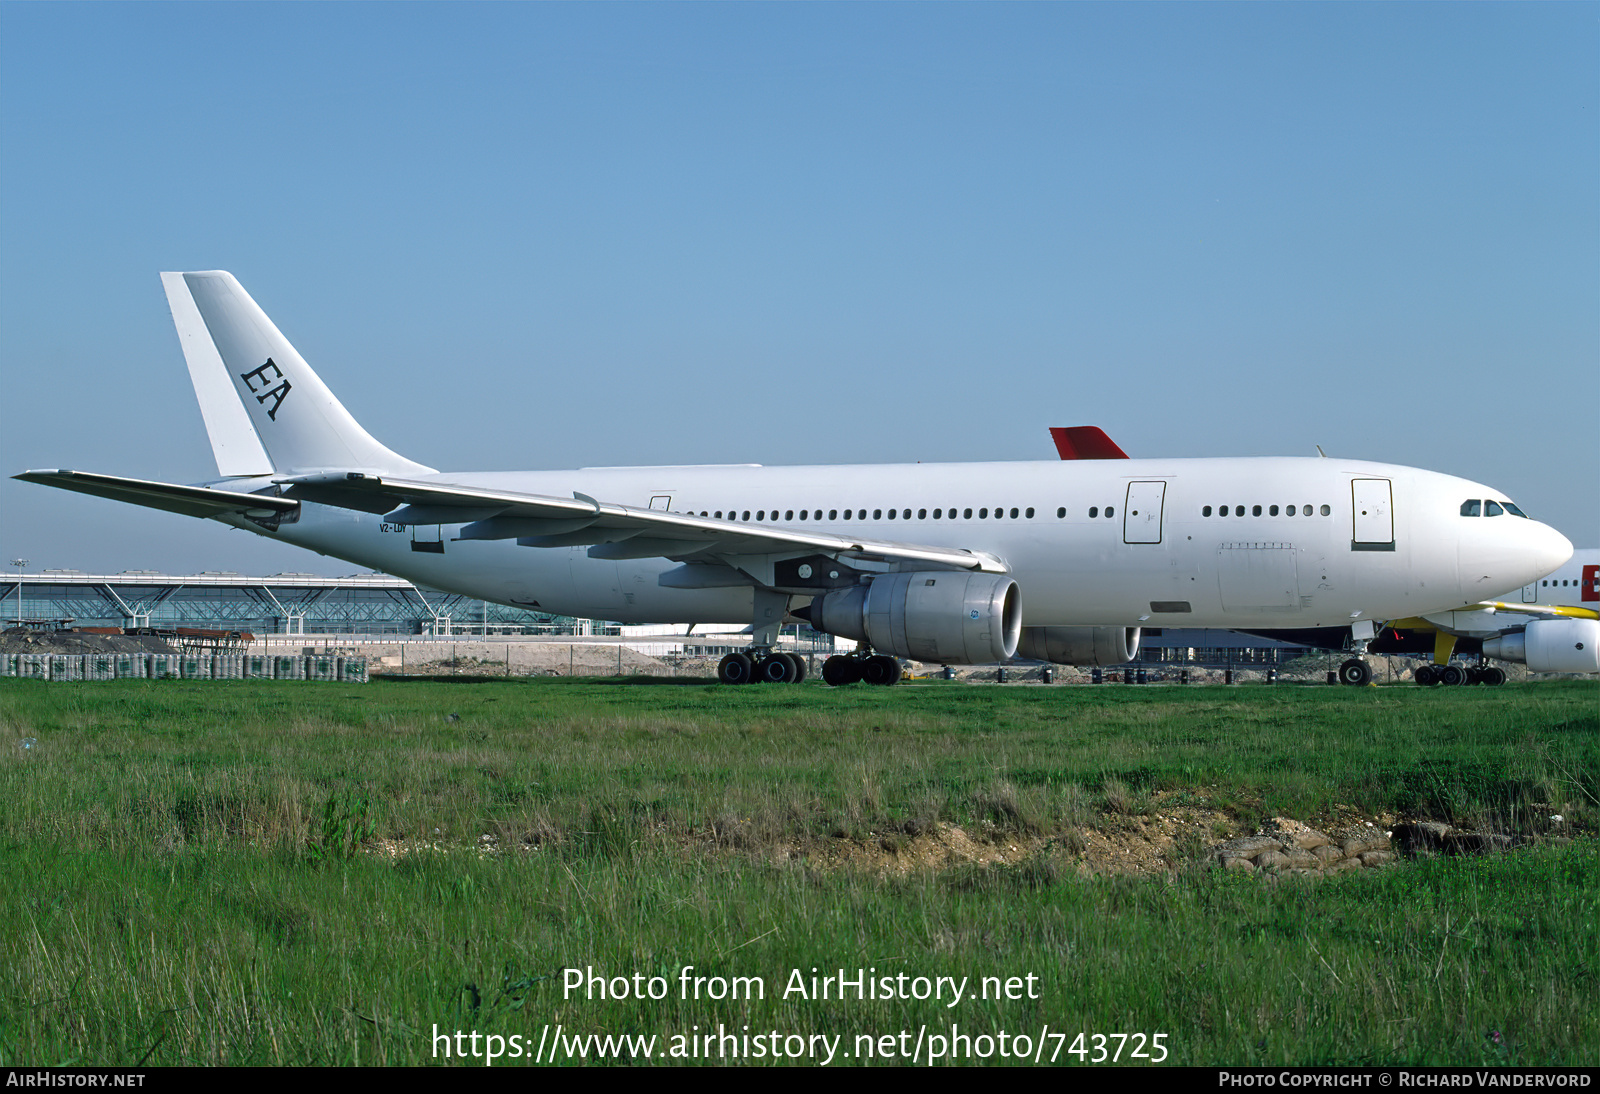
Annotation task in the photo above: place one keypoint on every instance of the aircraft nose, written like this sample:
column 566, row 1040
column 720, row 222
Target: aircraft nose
column 1499, row 554
column 1551, row 549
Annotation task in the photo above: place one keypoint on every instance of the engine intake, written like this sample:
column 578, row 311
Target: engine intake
column 1080, row 645
column 946, row 616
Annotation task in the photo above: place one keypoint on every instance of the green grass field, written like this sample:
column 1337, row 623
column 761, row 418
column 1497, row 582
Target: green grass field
column 322, row 873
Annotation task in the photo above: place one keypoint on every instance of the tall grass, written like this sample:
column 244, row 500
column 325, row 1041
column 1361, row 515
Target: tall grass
column 192, row 872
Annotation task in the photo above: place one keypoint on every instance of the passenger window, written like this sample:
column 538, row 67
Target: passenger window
column 891, row 514
column 922, row 514
column 833, row 514
column 803, row 513
column 966, row 514
column 1013, row 512
column 1273, row 511
column 762, row 515
column 1471, row 508
column 1291, row 510
column 1029, row 513
column 938, row 513
column 1238, row 510
column 1327, row 511
column 877, row 514
column 1255, row 511
column 1206, row 512
column 1111, row 511
column 788, row 514
column 1492, row 509
column 1061, row 513
column 1094, row 510
column 983, row 514
column 719, row 514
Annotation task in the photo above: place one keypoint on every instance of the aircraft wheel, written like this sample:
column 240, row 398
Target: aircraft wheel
column 837, row 671
column 1452, row 676
column 1426, row 676
column 881, row 670
column 799, row 664
column 1494, row 676
column 736, row 668
column 1355, row 672
column 775, row 668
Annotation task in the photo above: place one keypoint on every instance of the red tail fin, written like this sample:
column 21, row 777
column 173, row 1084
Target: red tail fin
column 1085, row 442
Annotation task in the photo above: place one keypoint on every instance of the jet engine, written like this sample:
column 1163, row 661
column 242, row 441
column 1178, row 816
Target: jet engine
column 1551, row 645
column 947, row 616
column 1080, row 645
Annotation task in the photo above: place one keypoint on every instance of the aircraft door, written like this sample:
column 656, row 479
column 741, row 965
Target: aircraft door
column 1141, row 516
column 1373, row 515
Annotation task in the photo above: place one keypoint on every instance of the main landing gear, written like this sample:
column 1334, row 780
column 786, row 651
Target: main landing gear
column 879, row 669
column 761, row 666
column 1453, row 676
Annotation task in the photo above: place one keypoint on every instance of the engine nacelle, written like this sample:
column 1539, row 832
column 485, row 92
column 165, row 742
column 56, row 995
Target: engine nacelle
column 947, row 616
column 1551, row 645
column 1080, row 645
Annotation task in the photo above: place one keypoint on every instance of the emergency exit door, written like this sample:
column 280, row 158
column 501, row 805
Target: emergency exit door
column 1372, row 514
column 1141, row 516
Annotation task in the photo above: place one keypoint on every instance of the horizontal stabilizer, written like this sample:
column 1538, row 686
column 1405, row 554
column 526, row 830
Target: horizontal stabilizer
column 191, row 501
column 1085, row 442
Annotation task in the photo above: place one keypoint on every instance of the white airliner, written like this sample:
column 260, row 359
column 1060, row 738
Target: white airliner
column 945, row 563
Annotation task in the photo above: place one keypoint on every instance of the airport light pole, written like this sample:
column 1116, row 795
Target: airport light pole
column 21, row 564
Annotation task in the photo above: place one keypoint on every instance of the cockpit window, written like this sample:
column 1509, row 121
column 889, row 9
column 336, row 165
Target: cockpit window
column 1492, row 509
column 1471, row 508
column 1514, row 511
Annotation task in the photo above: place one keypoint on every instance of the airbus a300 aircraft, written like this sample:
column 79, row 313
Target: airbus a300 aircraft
column 946, row 563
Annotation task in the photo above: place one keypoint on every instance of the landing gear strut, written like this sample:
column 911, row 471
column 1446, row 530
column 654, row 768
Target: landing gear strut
column 762, row 664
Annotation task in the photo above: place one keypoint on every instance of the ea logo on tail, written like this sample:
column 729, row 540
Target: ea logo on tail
column 276, row 394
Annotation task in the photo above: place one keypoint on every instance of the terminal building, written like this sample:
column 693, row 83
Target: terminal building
column 288, row 604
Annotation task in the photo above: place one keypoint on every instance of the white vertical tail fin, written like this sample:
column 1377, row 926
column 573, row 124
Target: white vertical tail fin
column 282, row 417
column 233, row 439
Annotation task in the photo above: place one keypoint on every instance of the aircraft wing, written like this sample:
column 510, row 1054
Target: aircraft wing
column 1538, row 609
column 191, row 501
column 610, row 530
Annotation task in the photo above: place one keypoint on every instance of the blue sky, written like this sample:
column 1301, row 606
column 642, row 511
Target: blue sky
column 519, row 236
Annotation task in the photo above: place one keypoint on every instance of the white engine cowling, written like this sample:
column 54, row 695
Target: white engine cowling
column 1551, row 645
column 946, row 616
column 1080, row 645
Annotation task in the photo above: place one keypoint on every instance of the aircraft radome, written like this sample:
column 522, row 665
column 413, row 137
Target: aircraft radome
column 945, row 563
